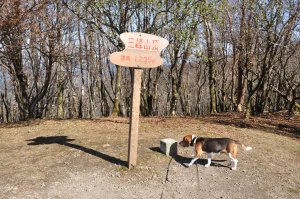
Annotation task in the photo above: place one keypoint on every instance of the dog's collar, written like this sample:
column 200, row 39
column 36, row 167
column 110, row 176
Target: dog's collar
column 194, row 139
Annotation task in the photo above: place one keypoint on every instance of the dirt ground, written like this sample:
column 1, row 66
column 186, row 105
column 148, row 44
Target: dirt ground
column 87, row 159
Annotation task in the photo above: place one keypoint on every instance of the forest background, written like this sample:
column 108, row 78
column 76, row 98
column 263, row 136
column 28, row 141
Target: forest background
column 223, row 56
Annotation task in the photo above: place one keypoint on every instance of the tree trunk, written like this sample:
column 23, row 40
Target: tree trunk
column 80, row 105
column 91, row 79
column 5, row 114
column 116, row 108
column 154, row 110
column 241, row 81
column 211, row 66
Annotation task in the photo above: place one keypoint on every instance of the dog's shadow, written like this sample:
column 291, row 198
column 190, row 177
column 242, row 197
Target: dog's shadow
column 184, row 161
column 65, row 141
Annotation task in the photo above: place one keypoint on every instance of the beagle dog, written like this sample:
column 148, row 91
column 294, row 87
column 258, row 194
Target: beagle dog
column 212, row 146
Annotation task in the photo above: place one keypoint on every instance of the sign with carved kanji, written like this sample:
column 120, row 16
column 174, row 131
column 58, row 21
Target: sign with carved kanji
column 141, row 50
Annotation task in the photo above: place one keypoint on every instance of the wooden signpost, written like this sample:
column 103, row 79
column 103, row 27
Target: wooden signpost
column 141, row 51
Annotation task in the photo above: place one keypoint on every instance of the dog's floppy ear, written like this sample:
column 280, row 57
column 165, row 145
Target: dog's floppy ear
column 188, row 138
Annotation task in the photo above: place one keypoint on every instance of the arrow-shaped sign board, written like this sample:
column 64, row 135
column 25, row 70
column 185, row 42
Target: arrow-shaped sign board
column 141, row 50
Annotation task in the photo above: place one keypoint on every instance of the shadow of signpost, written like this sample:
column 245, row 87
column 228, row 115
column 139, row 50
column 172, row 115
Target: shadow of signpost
column 65, row 141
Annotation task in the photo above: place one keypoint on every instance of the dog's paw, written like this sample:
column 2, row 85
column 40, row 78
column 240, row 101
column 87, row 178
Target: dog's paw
column 189, row 165
column 233, row 168
column 207, row 165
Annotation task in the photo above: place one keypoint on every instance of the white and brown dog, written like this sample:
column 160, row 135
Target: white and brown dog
column 212, row 146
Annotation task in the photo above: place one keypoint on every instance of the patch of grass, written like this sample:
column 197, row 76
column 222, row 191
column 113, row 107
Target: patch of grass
column 122, row 169
column 294, row 190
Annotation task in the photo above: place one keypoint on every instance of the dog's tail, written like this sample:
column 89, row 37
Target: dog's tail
column 246, row 148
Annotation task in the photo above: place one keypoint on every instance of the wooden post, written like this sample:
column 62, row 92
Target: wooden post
column 134, row 118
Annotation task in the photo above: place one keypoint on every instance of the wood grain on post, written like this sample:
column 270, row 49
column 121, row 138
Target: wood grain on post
column 134, row 118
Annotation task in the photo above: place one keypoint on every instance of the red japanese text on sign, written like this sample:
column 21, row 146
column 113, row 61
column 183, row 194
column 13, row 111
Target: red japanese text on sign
column 138, row 59
column 140, row 43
